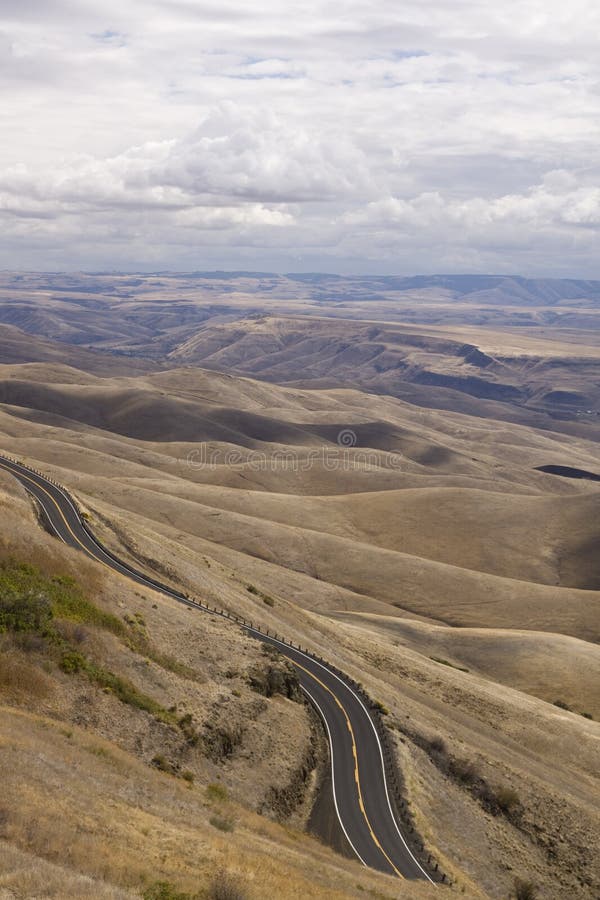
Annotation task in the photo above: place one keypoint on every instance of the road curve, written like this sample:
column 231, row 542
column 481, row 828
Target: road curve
column 361, row 792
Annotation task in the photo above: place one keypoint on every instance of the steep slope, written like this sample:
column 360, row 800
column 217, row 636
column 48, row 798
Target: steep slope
column 139, row 730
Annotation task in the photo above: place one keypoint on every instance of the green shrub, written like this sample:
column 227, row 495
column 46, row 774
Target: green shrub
column 252, row 589
column 33, row 605
column 161, row 763
column 69, row 603
column 24, row 613
column 72, row 662
column 164, row 890
column 166, row 661
column 30, row 600
column 223, row 823
column 562, row 705
column 127, row 693
column 216, row 791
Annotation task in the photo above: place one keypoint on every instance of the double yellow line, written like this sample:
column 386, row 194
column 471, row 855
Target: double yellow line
column 60, row 512
column 89, row 553
column 356, row 772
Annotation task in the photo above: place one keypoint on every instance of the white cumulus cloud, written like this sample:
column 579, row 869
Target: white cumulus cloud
column 361, row 136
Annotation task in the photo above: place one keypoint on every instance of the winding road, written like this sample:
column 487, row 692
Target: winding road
column 361, row 789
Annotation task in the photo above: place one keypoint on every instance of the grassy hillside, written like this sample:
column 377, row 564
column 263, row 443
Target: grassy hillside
column 130, row 727
column 426, row 545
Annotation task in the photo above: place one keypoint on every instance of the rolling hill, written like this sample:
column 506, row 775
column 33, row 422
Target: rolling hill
column 420, row 548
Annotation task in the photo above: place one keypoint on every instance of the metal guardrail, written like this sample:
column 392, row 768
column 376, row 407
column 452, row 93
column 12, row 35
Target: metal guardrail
column 392, row 773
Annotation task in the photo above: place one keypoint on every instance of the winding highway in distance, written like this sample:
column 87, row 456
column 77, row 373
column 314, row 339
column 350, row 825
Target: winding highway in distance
column 361, row 792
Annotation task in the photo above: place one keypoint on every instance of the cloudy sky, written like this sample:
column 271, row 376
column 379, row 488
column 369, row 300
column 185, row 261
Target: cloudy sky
column 379, row 136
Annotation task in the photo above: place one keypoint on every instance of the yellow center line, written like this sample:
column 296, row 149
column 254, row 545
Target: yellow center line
column 48, row 494
column 85, row 549
column 314, row 677
column 356, row 772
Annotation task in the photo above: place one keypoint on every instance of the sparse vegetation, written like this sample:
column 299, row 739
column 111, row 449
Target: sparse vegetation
column 266, row 599
column 29, row 600
column 34, row 609
column 225, row 886
column 438, row 745
column 161, row 763
column 562, row 705
column 164, row 890
column 222, row 823
column 186, row 724
column 499, row 799
column 506, row 798
column 446, row 662
column 216, row 791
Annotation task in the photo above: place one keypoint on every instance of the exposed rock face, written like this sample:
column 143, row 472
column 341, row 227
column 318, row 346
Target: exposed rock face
column 220, row 741
column 277, row 677
column 283, row 801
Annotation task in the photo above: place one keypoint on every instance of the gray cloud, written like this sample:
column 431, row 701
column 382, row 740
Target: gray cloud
column 359, row 135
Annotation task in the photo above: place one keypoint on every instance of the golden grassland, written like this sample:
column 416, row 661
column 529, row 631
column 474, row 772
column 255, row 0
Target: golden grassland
column 83, row 813
column 462, row 558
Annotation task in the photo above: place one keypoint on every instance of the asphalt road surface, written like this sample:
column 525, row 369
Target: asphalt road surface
column 360, row 789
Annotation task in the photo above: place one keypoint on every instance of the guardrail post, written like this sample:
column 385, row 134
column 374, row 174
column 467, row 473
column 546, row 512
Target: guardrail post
column 389, row 764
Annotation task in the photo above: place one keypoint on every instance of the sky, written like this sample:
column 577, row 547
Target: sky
column 352, row 137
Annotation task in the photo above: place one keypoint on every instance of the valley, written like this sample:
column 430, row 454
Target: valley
column 387, row 484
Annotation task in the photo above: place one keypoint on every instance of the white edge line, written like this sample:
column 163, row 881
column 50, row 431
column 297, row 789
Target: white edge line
column 322, row 714
column 330, row 672
column 48, row 516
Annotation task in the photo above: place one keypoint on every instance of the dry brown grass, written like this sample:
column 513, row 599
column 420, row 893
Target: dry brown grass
column 26, row 875
column 19, row 677
column 367, row 567
column 108, row 816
